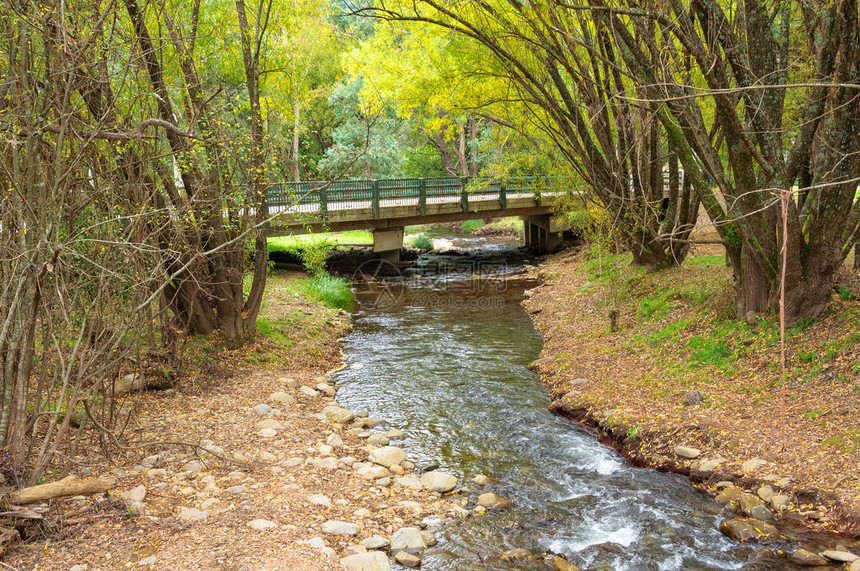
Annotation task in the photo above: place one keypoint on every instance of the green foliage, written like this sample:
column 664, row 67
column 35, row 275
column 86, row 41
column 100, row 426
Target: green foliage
column 470, row 226
column 330, row 291
column 656, row 306
column 314, row 256
column 421, row 242
column 844, row 293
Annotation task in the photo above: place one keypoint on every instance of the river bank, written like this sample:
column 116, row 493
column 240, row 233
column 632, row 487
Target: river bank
column 250, row 465
column 681, row 386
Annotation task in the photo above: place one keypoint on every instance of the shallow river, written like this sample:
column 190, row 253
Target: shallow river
column 444, row 360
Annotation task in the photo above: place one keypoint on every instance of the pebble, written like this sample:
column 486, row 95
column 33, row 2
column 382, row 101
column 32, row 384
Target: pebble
column 373, row 472
column 326, row 389
column 268, row 433
column 307, row 391
column 710, row 465
column 438, row 481
column 269, row 423
column 481, row 480
column 373, row 561
column 334, row 440
column 355, row 549
column 194, row 466
column 338, row 414
column 236, row 489
column 340, row 528
column 375, row 542
column 80, row 567
column 410, row 481
column 562, row 564
column 282, row 397
column 393, row 434
column 261, row 524
column 855, row 566
column 189, row 514
column 147, row 561
column 325, row 463
column 319, row 500
column 378, row 440
column 407, row 559
column 753, row 465
column 807, row 558
column 766, row 493
column 136, row 494
column 687, row 452
column 780, row 501
column 213, row 449
column 262, row 408
column 753, row 507
column 429, row 539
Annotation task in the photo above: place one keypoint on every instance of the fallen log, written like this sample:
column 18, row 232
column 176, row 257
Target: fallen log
column 136, row 383
column 68, row 486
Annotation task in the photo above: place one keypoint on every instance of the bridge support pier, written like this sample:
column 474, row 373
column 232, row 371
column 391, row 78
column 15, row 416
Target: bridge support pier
column 541, row 233
column 387, row 243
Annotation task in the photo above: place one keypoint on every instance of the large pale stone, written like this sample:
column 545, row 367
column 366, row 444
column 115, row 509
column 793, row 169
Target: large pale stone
column 407, row 539
column 388, row 456
column 438, row 481
column 340, row 528
column 372, row 561
column 687, row 452
column 338, row 414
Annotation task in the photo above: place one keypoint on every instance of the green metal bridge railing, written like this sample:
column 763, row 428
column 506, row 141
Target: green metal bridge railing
column 321, row 196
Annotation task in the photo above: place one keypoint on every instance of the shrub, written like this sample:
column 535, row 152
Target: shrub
column 314, row 256
column 421, row 242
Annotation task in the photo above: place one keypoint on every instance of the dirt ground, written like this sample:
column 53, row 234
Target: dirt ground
column 632, row 384
column 249, row 477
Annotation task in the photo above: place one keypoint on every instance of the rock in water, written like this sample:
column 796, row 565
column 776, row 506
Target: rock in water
column 753, row 507
column 562, row 564
column 387, row 456
column 743, row 529
column 493, row 501
column 807, row 558
column 407, row 559
column 373, row 561
column 840, row 556
column 518, row 554
column 438, row 482
column 407, row 539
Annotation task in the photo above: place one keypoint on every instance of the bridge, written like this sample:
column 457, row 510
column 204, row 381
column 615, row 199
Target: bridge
column 387, row 206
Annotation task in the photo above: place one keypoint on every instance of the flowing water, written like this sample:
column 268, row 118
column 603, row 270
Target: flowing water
column 443, row 357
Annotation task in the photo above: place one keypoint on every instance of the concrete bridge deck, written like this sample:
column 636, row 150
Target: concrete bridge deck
column 387, row 206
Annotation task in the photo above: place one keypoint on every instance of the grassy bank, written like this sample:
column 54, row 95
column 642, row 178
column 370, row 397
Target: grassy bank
column 677, row 334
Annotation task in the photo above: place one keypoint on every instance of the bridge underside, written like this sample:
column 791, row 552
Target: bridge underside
column 541, row 231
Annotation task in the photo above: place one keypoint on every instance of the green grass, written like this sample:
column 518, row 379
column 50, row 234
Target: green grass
column 706, row 350
column 657, row 306
column 328, row 290
column 470, row 226
column 296, row 242
column 421, row 242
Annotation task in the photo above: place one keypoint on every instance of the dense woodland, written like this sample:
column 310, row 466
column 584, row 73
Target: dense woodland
column 139, row 139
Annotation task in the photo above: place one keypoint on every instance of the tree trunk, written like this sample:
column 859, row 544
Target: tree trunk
column 297, row 175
